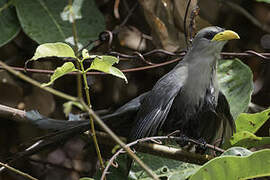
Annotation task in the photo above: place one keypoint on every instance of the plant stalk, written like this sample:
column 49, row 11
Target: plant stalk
column 93, row 132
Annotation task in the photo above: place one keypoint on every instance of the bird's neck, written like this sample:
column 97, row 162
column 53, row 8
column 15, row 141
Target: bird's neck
column 202, row 77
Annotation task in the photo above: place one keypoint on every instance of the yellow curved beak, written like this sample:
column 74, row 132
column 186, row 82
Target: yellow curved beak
column 225, row 35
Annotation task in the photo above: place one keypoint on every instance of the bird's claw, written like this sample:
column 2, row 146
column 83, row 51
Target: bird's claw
column 201, row 148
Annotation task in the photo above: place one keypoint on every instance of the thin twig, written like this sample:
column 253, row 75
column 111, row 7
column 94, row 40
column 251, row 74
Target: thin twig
column 12, row 113
column 36, row 83
column 185, row 23
column 116, row 9
column 18, row 171
column 130, row 12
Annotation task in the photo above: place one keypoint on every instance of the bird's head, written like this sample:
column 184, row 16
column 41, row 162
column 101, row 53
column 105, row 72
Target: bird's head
column 213, row 38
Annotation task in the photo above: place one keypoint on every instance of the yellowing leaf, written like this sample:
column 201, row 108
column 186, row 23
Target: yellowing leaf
column 53, row 49
column 61, row 71
column 104, row 64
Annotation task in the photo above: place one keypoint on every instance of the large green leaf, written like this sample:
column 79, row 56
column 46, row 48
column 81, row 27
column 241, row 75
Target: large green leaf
column 235, row 81
column 41, row 20
column 61, row 71
column 234, row 167
column 104, row 64
column 53, row 49
column 9, row 24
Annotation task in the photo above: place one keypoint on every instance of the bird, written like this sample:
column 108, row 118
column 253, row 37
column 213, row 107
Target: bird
column 187, row 98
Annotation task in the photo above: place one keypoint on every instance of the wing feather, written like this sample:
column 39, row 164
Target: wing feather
column 157, row 103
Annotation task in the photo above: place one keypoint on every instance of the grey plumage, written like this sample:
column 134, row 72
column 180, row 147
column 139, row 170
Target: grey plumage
column 186, row 98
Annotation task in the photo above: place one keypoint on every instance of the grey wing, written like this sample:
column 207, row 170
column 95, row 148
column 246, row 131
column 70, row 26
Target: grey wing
column 223, row 111
column 157, row 104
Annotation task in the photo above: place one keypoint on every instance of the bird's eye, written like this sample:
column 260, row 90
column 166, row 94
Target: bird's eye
column 209, row 35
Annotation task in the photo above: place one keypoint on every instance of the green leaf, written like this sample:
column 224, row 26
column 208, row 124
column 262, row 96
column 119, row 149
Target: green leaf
column 266, row 1
column 68, row 106
column 235, row 81
column 61, row 71
column 53, row 49
column 41, row 20
column 248, row 140
column 104, row 64
column 234, row 167
column 9, row 24
column 251, row 122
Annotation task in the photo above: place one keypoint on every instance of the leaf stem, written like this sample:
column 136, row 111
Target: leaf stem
column 93, row 132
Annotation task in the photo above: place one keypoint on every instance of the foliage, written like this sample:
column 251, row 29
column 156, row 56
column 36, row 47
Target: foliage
column 9, row 26
column 100, row 63
column 235, row 81
column 246, row 127
column 251, row 122
column 231, row 166
column 45, row 23
column 53, row 49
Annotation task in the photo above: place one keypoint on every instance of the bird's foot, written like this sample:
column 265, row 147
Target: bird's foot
column 201, row 148
column 183, row 140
